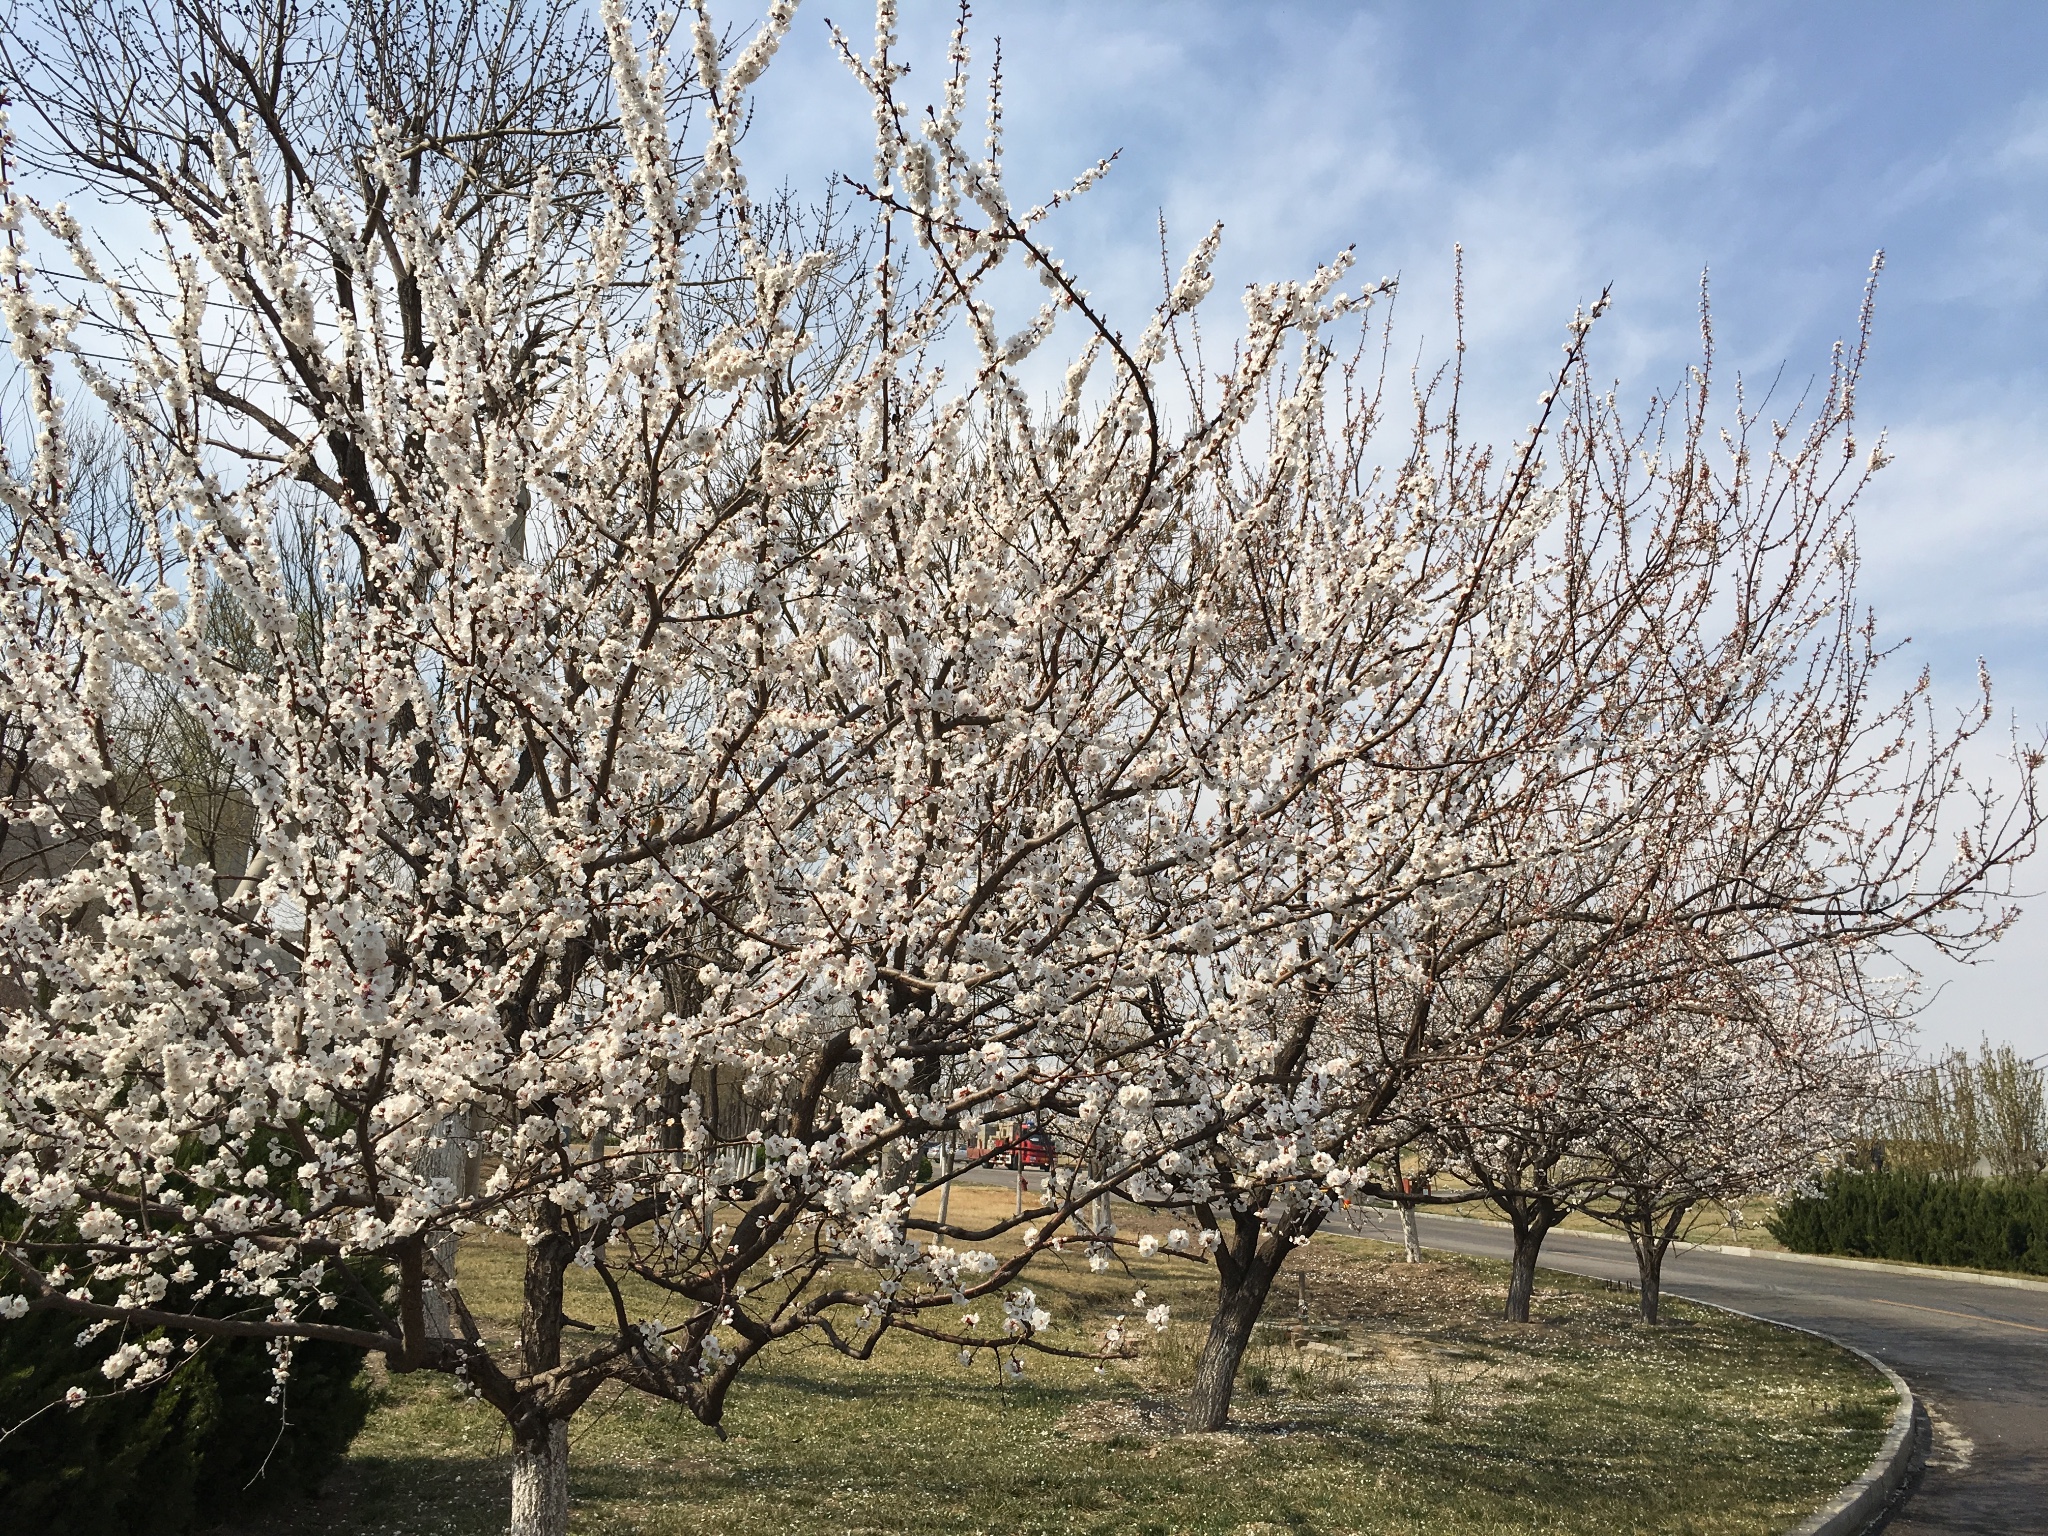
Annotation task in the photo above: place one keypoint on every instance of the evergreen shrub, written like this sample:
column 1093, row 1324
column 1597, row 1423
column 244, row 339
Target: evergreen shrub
column 198, row 1447
column 1921, row 1218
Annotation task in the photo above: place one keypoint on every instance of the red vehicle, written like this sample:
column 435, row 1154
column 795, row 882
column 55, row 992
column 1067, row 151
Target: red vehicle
column 1027, row 1149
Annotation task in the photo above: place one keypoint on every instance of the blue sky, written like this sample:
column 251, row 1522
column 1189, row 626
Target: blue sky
column 1572, row 146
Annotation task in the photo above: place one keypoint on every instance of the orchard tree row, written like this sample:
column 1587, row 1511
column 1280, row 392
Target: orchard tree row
column 520, row 652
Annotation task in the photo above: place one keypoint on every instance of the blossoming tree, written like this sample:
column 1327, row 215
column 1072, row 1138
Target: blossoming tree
column 1737, row 1088
column 688, row 751
column 1672, row 757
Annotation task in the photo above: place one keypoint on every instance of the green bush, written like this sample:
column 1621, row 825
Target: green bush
column 203, row 1444
column 200, row 1446
column 1922, row 1218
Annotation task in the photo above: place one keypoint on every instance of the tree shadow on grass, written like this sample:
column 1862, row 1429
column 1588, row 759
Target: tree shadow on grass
column 424, row 1495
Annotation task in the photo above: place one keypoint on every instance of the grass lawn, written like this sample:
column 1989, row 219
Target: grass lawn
column 1401, row 1405
column 1705, row 1224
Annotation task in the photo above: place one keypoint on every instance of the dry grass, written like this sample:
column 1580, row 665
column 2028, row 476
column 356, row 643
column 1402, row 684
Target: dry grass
column 1384, row 1397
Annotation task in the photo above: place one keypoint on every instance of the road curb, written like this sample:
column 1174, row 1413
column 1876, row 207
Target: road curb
column 1862, row 1503
column 1868, row 1266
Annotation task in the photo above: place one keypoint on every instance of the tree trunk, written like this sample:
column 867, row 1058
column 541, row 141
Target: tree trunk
column 540, row 1481
column 448, row 1162
column 1529, row 1235
column 1230, row 1334
column 1649, row 1270
column 1651, row 1244
column 1411, row 1235
column 440, row 1316
column 540, row 1446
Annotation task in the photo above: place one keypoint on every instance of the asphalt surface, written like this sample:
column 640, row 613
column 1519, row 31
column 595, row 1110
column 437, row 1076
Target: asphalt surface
column 1977, row 1355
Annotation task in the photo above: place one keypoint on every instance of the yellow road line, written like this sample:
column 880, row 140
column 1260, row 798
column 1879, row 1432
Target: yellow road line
column 1975, row 1317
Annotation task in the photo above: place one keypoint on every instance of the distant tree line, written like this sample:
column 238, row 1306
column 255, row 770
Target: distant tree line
column 1956, row 1117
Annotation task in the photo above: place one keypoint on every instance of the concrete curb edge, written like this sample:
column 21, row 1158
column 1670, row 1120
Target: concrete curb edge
column 1869, row 1266
column 1861, row 1503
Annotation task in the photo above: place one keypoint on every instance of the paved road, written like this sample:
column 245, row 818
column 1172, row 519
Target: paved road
column 1976, row 1354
